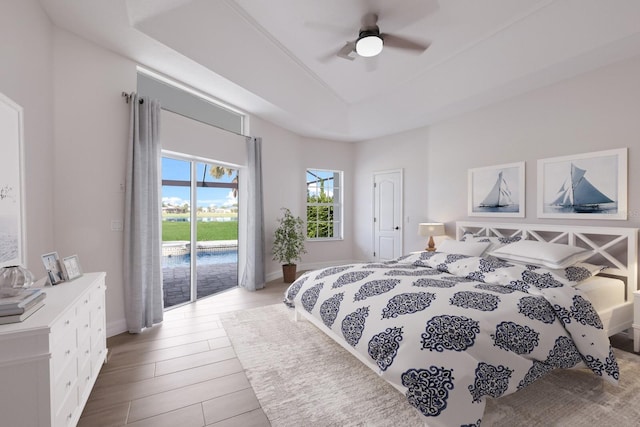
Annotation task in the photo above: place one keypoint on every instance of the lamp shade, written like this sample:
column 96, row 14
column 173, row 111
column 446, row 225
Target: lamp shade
column 369, row 45
column 430, row 229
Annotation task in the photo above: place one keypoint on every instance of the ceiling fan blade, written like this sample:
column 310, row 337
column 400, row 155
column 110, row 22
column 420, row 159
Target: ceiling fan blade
column 347, row 50
column 403, row 43
column 327, row 57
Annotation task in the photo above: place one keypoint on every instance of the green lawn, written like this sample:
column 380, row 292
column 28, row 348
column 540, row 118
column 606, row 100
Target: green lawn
column 206, row 230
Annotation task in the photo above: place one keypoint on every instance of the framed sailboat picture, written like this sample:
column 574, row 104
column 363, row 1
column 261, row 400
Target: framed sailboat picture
column 496, row 191
column 584, row 186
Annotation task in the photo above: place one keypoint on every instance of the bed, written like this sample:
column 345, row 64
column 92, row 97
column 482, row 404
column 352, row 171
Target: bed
column 450, row 330
column 614, row 247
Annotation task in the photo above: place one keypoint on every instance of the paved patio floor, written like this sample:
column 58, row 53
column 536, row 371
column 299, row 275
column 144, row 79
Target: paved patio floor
column 212, row 278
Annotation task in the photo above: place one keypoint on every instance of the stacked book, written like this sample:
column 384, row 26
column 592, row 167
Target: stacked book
column 18, row 307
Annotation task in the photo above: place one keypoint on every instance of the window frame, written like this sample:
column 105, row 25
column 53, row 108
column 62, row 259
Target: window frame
column 337, row 204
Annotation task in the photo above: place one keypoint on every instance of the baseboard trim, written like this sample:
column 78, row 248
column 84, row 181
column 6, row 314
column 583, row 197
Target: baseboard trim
column 116, row 327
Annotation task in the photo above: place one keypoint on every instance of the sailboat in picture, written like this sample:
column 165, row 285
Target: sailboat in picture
column 579, row 195
column 499, row 196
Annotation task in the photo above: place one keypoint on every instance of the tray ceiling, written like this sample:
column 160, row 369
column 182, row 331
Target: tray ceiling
column 276, row 59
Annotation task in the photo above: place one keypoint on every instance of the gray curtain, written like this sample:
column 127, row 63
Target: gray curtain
column 253, row 275
column 142, row 221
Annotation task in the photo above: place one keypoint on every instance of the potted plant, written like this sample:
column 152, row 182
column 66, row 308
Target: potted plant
column 289, row 243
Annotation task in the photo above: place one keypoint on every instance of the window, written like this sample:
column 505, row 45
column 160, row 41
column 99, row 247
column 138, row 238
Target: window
column 324, row 204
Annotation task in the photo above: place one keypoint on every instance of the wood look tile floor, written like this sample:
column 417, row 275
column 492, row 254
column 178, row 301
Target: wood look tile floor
column 182, row 372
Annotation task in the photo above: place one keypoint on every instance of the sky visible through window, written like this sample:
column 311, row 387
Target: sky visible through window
column 174, row 169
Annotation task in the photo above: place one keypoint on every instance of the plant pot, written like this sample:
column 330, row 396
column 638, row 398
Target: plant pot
column 289, row 273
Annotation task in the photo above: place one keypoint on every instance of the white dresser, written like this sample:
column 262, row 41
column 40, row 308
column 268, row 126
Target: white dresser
column 50, row 361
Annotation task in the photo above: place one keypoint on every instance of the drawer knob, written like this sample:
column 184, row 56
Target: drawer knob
column 68, row 352
column 68, row 384
column 67, row 322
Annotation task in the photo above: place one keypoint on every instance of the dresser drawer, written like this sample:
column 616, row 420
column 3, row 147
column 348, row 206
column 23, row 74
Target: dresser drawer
column 83, row 325
column 98, row 316
column 84, row 353
column 63, row 354
column 63, row 325
column 98, row 352
column 84, row 379
column 64, row 385
column 63, row 342
column 64, row 417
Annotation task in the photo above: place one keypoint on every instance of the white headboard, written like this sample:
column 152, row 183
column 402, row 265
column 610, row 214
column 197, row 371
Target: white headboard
column 615, row 247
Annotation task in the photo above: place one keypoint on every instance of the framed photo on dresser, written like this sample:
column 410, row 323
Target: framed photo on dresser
column 71, row 266
column 51, row 263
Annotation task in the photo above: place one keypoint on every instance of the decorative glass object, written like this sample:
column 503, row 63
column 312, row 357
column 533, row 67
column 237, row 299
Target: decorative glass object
column 14, row 279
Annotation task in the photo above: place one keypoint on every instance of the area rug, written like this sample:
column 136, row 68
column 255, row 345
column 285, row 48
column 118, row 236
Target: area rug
column 301, row 377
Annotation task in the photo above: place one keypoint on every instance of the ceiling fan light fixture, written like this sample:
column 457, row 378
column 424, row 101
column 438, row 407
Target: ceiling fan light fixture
column 369, row 45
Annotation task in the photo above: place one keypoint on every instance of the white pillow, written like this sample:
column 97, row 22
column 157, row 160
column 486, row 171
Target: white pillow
column 463, row 248
column 551, row 255
column 494, row 241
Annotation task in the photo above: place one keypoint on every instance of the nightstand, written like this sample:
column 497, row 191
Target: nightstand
column 636, row 321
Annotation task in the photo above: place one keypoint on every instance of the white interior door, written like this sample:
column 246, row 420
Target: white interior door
column 387, row 215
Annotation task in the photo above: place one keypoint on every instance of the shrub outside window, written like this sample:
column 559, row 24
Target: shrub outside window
column 324, row 204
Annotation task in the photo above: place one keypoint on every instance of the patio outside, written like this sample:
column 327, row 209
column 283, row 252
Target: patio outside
column 217, row 272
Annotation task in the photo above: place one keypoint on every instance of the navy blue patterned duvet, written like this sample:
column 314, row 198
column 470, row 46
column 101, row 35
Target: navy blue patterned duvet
column 452, row 329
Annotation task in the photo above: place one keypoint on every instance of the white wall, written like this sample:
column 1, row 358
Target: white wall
column 285, row 158
column 26, row 77
column 91, row 127
column 91, row 130
column 407, row 151
column 592, row 112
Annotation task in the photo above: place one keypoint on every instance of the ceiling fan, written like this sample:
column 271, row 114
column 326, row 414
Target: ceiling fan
column 370, row 41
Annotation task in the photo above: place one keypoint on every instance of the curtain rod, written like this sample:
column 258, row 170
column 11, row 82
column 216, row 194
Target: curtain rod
column 127, row 97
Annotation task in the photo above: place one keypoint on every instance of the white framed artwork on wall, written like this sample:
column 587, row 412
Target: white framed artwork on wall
column 497, row 191
column 12, row 232
column 584, row 186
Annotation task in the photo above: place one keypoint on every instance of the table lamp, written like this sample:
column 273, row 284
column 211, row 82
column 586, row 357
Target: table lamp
column 430, row 229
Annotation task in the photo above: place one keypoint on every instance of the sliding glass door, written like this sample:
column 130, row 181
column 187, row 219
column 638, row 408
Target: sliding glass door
column 199, row 229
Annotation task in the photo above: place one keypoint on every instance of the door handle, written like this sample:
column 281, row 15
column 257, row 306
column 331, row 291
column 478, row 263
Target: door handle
column 397, row 228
